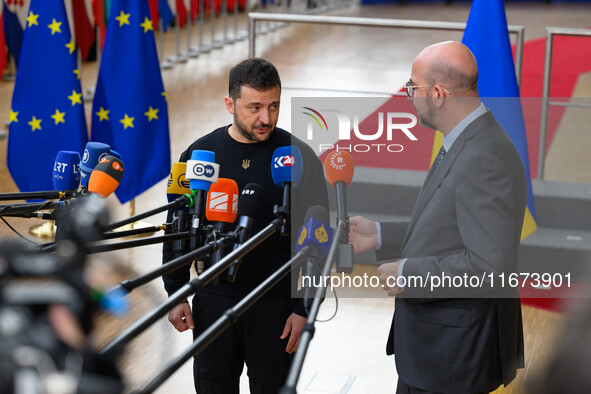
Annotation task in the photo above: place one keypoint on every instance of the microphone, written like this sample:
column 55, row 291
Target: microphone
column 338, row 168
column 286, row 170
column 93, row 153
column 106, row 176
column 221, row 208
column 316, row 234
column 66, row 170
column 178, row 186
column 202, row 171
column 115, row 153
column 248, row 207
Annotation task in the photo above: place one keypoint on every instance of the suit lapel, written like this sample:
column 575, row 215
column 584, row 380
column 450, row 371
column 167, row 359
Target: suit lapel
column 434, row 178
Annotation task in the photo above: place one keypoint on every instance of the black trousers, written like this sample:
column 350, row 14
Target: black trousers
column 403, row 388
column 253, row 340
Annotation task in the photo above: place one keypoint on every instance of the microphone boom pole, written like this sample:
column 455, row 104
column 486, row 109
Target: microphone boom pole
column 308, row 330
column 226, row 320
column 190, row 288
column 129, row 284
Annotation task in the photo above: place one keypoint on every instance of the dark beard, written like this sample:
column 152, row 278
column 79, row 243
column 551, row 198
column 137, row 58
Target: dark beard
column 250, row 135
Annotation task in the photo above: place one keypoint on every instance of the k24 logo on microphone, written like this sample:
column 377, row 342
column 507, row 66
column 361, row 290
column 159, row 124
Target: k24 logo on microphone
column 284, row 161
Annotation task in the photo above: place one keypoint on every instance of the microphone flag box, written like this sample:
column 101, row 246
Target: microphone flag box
column 316, row 234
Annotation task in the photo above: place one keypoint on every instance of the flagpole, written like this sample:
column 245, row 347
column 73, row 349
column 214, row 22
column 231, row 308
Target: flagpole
column 164, row 64
column 192, row 52
column 180, row 56
column 202, row 47
column 215, row 44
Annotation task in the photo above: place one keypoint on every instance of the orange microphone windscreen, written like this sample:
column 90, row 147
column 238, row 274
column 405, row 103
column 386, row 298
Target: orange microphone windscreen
column 338, row 167
column 222, row 201
column 106, row 176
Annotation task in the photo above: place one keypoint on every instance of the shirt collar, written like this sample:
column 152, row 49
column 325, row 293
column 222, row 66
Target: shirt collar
column 449, row 139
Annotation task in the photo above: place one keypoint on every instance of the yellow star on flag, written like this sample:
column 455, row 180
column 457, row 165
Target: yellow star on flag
column 32, row 19
column 35, row 124
column 58, row 116
column 71, row 46
column 164, row 95
column 103, row 114
column 12, row 117
column 127, row 122
column 123, row 18
column 147, row 25
column 151, row 114
column 77, row 72
column 75, row 98
column 55, row 26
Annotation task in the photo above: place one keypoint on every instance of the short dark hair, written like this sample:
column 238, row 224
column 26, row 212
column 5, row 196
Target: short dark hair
column 257, row 73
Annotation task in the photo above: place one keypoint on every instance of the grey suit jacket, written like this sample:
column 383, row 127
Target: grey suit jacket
column 467, row 220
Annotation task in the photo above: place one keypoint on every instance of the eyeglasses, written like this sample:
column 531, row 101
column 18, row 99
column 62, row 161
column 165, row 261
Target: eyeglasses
column 411, row 89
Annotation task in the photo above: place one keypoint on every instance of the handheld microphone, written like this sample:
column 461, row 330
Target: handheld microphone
column 93, row 153
column 202, row 171
column 316, row 234
column 115, row 153
column 338, row 168
column 286, row 170
column 248, row 207
column 66, row 170
column 106, row 176
column 176, row 187
column 222, row 206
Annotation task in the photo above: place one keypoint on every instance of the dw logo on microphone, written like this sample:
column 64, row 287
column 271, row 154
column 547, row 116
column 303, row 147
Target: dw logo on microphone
column 206, row 170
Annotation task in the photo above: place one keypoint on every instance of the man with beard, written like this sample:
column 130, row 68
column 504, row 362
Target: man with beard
column 467, row 221
column 267, row 334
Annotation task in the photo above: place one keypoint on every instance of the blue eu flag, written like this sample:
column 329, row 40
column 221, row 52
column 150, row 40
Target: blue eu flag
column 47, row 111
column 129, row 110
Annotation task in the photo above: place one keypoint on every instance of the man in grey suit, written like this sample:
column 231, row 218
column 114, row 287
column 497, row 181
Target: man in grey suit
column 466, row 223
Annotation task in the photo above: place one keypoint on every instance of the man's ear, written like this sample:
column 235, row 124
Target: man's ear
column 438, row 95
column 229, row 104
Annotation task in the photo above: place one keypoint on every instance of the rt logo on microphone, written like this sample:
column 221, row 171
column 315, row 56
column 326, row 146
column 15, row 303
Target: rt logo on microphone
column 206, row 170
column 284, row 161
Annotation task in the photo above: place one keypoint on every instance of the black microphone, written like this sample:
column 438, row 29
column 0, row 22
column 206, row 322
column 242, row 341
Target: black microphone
column 316, row 234
column 338, row 168
column 222, row 203
column 178, row 186
column 201, row 172
column 248, row 207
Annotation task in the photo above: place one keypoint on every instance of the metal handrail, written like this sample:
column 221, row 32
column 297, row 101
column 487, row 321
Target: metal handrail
column 550, row 33
column 253, row 17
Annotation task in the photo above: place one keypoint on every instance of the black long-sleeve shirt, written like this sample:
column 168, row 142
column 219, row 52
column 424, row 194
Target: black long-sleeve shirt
column 251, row 163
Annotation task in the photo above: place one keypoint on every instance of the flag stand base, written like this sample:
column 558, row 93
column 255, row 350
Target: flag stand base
column 45, row 230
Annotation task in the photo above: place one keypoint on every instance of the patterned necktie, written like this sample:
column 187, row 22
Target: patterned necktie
column 438, row 158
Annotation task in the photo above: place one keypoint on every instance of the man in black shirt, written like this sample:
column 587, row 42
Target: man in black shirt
column 268, row 333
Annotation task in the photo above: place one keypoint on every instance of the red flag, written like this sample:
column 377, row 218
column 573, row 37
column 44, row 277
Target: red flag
column 2, row 43
column 181, row 10
column 98, row 9
column 154, row 12
column 194, row 9
column 83, row 28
